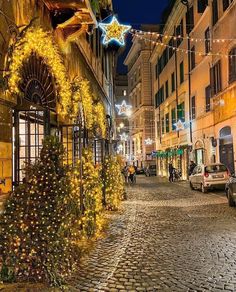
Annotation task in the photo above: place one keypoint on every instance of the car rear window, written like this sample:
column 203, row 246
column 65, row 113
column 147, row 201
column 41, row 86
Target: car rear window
column 215, row 168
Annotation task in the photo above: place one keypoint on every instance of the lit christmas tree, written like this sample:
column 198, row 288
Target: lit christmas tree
column 32, row 247
column 113, row 183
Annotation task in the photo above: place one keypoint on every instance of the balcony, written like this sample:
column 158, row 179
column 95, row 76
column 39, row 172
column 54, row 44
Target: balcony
column 71, row 17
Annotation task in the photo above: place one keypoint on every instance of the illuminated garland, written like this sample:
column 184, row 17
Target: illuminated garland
column 100, row 118
column 113, row 183
column 40, row 42
column 178, row 49
column 82, row 93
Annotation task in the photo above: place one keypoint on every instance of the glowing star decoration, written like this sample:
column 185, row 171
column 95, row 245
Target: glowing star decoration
column 120, row 148
column 148, row 141
column 124, row 108
column 114, row 31
column 180, row 125
column 124, row 137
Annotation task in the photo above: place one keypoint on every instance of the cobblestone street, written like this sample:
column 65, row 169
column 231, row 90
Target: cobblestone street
column 166, row 238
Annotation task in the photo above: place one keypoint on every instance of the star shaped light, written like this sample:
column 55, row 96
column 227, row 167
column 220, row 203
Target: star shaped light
column 179, row 125
column 114, row 31
column 124, row 137
column 149, row 141
column 124, row 108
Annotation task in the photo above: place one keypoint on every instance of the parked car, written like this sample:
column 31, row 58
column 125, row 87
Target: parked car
column 151, row 170
column 205, row 177
column 230, row 189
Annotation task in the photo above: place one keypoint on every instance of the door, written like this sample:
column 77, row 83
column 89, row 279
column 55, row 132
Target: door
column 28, row 133
column 226, row 148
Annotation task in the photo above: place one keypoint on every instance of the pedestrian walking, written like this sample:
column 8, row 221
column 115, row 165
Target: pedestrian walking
column 126, row 173
column 171, row 172
column 131, row 171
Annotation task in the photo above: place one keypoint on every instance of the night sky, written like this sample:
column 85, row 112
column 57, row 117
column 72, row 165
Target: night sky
column 136, row 12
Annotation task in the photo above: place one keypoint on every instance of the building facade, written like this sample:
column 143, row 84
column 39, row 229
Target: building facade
column 47, row 48
column 194, row 86
column 122, row 119
column 140, row 93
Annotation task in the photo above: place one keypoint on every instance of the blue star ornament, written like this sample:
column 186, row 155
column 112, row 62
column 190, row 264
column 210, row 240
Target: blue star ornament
column 114, row 31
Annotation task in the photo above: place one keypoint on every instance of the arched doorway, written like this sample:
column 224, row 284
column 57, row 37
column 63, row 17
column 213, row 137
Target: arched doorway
column 226, row 148
column 34, row 115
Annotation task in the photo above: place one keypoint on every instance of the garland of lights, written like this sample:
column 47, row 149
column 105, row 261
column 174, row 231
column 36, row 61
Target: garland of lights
column 100, row 118
column 177, row 49
column 36, row 40
column 174, row 37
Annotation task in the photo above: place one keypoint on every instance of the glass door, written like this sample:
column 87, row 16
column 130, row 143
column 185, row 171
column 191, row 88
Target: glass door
column 28, row 133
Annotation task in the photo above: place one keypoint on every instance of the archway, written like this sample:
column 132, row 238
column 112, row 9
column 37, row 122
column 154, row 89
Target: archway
column 226, row 148
column 34, row 115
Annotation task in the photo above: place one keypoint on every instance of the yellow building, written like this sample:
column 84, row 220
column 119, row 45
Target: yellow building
column 141, row 121
column 47, row 49
column 195, row 83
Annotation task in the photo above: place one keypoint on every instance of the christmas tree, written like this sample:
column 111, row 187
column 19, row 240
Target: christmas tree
column 31, row 244
column 113, row 183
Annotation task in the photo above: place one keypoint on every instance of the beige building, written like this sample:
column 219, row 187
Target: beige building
column 204, row 100
column 140, row 93
column 40, row 80
column 122, row 120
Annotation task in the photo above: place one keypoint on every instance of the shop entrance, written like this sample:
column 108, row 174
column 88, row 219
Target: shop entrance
column 226, row 148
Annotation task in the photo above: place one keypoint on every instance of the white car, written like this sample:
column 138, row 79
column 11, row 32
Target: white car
column 205, row 177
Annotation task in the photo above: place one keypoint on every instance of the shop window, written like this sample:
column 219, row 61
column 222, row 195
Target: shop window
column 216, row 78
column 207, row 41
column 208, row 98
column 232, row 65
column 193, row 107
column 173, row 82
column 215, row 14
column 201, row 5
column 181, row 72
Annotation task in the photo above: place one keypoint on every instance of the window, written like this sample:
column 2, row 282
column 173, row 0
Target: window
column 171, row 45
column 216, row 78
column 181, row 112
column 215, row 14
column 173, row 118
column 162, row 126
column 189, row 20
column 167, row 88
column 193, row 107
column 226, row 4
column 208, row 98
column 167, row 123
column 207, row 41
column 201, row 5
column 232, row 65
column 193, row 59
column 160, row 96
column 173, row 82
column 181, row 72
column 180, row 33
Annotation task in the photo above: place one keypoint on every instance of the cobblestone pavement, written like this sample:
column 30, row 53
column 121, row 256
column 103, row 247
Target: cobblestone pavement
column 166, row 238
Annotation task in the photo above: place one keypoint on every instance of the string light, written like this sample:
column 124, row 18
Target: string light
column 149, row 141
column 192, row 39
column 178, row 49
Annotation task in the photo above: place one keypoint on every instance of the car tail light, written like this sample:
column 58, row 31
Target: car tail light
column 206, row 174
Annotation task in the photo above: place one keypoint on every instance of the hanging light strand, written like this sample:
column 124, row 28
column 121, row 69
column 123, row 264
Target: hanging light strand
column 202, row 54
column 192, row 39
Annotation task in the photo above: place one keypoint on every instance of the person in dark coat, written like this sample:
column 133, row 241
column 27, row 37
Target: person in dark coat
column 191, row 167
column 171, row 172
